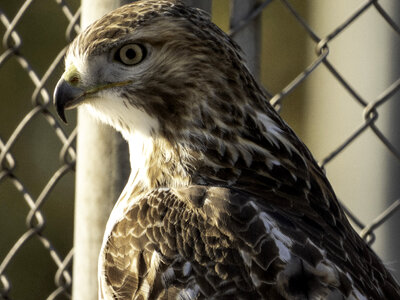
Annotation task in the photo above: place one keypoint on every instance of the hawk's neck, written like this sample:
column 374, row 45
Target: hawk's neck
column 218, row 157
column 156, row 162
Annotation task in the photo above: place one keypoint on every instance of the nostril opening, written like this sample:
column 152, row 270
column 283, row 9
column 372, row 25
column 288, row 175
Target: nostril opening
column 74, row 80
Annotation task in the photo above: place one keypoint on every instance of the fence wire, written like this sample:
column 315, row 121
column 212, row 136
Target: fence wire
column 12, row 179
column 40, row 104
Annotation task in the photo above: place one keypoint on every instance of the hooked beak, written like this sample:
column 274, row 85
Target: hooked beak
column 66, row 96
column 69, row 93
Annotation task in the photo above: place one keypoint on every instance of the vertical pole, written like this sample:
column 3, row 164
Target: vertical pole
column 102, row 170
column 393, row 167
column 203, row 4
column 248, row 37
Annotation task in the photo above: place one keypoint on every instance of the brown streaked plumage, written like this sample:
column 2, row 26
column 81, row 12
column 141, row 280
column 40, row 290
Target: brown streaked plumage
column 224, row 201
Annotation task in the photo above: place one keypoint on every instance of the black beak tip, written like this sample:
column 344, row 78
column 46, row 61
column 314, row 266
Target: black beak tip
column 66, row 96
column 59, row 100
column 61, row 114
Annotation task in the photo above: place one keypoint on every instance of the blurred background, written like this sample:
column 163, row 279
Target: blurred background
column 326, row 105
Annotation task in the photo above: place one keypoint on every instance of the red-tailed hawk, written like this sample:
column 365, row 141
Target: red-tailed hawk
column 224, row 201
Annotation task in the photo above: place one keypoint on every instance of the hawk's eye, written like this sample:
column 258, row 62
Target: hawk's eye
column 131, row 54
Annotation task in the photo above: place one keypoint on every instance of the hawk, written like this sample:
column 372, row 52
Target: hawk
column 224, row 201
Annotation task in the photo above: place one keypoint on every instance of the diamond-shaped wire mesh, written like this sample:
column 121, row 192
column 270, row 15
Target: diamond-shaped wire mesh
column 36, row 186
column 32, row 179
column 369, row 111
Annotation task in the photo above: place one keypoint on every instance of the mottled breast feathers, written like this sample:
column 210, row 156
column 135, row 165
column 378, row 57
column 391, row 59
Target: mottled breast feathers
column 219, row 243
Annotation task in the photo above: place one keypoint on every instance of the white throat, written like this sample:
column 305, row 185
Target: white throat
column 140, row 149
column 154, row 160
column 136, row 126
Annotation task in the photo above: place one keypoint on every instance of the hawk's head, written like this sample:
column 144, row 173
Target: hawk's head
column 160, row 70
column 158, row 67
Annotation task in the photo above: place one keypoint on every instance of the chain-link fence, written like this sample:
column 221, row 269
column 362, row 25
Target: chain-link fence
column 30, row 59
column 37, row 156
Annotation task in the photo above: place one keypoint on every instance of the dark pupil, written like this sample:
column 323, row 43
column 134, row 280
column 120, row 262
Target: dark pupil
column 130, row 53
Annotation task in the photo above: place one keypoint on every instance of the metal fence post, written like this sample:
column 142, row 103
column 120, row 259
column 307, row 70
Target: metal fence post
column 393, row 172
column 203, row 4
column 102, row 170
column 246, row 32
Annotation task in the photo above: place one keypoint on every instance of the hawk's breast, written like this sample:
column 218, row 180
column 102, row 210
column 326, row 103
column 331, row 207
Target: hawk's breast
column 211, row 242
